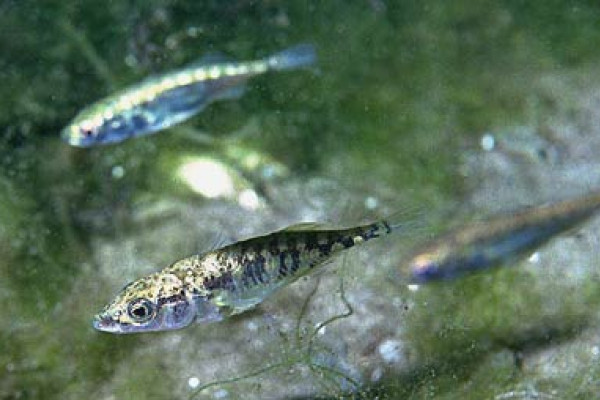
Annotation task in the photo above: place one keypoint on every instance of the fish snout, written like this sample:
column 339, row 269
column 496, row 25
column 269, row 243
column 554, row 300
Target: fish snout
column 105, row 323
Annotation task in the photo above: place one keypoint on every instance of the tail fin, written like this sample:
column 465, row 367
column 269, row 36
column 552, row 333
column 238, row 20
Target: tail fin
column 409, row 220
column 299, row 56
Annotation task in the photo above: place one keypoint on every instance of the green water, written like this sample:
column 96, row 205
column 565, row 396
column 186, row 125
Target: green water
column 403, row 90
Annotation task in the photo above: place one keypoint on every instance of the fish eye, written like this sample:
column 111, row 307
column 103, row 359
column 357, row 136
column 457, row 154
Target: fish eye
column 140, row 310
column 86, row 132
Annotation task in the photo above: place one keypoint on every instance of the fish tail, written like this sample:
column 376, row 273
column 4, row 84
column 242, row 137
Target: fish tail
column 299, row 56
column 409, row 220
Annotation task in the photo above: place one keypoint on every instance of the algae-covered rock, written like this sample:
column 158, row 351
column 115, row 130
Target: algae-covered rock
column 439, row 113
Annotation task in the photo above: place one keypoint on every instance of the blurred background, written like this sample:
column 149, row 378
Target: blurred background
column 442, row 112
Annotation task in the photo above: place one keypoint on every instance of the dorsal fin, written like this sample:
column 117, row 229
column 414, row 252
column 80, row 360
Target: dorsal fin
column 303, row 227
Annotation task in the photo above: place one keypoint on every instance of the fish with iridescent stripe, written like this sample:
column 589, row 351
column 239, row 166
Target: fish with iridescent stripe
column 227, row 281
column 162, row 101
column 497, row 241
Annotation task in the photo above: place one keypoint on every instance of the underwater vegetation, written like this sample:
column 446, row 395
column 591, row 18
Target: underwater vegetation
column 459, row 111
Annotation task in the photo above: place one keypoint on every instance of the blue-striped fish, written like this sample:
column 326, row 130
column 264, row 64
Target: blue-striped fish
column 214, row 285
column 497, row 241
column 162, row 101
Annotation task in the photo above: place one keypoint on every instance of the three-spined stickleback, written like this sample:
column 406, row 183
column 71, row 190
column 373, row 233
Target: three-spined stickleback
column 162, row 101
column 226, row 281
column 499, row 240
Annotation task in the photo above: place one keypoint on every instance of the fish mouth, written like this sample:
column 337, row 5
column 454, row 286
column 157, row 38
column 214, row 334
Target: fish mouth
column 104, row 323
column 69, row 138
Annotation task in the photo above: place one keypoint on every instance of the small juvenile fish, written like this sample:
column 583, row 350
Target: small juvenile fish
column 162, row 101
column 499, row 240
column 214, row 285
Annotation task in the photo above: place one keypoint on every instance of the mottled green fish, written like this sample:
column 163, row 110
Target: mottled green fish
column 214, row 285
column 162, row 101
column 497, row 241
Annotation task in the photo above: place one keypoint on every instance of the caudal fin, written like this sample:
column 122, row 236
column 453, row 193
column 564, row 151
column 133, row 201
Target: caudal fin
column 299, row 56
column 410, row 220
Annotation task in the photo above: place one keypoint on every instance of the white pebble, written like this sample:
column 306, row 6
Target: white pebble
column 118, row 172
column 248, row 199
column 390, row 351
column 534, row 258
column 220, row 394
column 487, row 142
column 413, row 288
column 321, row 330
column 371, row 203
column 193, row 382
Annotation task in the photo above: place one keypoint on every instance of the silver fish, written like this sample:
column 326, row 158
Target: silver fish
column 162, row 101
column 496, row 241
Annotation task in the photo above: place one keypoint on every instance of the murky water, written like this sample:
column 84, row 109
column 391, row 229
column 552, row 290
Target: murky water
column 447, row 112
